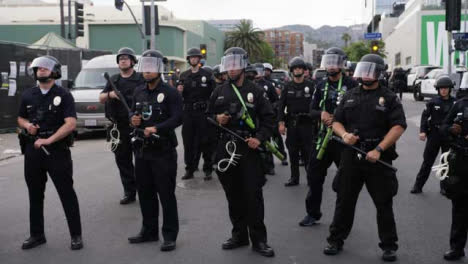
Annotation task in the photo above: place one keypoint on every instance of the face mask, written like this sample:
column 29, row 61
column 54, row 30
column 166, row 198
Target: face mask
column 152, row 80
column 368, row 83
column 333, row 74
column 298, row 75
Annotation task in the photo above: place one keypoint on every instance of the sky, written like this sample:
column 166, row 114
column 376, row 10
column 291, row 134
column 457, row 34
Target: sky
column 267, row 13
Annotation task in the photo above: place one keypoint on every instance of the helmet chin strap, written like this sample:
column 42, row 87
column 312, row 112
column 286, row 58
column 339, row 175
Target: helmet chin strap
column 299, row 75
column 152, row 80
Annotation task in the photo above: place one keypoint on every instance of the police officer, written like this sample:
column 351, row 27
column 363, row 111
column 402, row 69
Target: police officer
column 126, row 82
column 376, row 133
column 276, row 135
column 308, row 71
column 196, row 86
column 455, row 127
column 157, row 112
column 218, row 75
column 243, row 179
column 174, row 80
column 432, row 117
column 324, row 102
column 47, row 113
column 399, row 80
column 350, row 68
column 270, row 91
column 295, row 100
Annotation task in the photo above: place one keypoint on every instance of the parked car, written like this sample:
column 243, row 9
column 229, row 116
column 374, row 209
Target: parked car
column 88, row 85
column 425, row 87
column 418, row 72
column 280, row 76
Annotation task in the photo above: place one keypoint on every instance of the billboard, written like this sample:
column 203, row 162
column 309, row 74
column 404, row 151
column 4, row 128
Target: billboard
column 434, row 41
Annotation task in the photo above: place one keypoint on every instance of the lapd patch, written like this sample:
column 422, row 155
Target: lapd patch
column 307, row 90
column 160, row 98
column 250, row 98
column 57, row 100
column 382, row 101
column 266, row 88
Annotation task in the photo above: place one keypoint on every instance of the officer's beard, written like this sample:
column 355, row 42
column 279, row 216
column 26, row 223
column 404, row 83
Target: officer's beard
column 235, row 78
column 43, row 79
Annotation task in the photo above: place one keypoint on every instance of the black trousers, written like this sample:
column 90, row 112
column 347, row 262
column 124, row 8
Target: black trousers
column 382, row 185
column 199, row 138
column 124, row 159
column 156, row 181
column 434, row 143
column 299, row 138
column 459, row 228
column 243, row 184
column 59, row 166
column 316, row 174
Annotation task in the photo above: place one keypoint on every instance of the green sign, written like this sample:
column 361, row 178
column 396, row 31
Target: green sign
column 434, row 41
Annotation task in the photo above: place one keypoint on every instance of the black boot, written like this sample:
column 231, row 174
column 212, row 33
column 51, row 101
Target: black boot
column 76, row 243
column 128, row 198
column 308, row 221
column 33, row 242
column 416, row 189
column 454, row 254
column 233, row 243
column 208, row 175
column 263, row 249
column 332, row 249
column 145, row 235
column 292, row 182
column 168, row 246
column 389, row 255
column 188, row 175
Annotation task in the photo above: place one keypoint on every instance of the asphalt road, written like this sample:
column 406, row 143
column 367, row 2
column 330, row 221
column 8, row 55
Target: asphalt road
column 423, row 221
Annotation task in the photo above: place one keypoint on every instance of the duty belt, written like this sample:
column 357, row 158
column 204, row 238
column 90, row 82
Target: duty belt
column 369, row 144
column 294, row 118
column 45, row 134
column 201, row 105
column 242, row 133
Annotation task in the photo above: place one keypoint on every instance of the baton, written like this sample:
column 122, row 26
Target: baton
column 364, row 153
column 229, row 131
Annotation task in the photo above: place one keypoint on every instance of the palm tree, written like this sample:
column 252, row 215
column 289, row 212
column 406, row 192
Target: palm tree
column 246, row 37
column 346, row 38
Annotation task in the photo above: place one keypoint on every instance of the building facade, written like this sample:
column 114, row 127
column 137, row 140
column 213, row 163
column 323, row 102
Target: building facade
column 286, row 44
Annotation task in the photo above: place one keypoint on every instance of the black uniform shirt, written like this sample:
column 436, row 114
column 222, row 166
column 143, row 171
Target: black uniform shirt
column 48, row 111
column 457, row 114
column 114, row 108
column 296, row 97
column 332, row 95
column 224, row 99
column 270, row 90
column 165, row 105
column 435, row 112
column 372, row 112
column 198, row 86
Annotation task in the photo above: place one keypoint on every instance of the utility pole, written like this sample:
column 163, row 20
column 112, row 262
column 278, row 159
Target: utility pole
column 153, row 26
column 69, row 20
column 62, row 22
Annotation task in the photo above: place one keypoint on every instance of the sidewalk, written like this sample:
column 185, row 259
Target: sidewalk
column 9, row 146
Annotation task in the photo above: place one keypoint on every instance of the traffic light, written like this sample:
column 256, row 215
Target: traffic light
column 79, row 19
column 375, row 46
column 203, row 50
column 452, row 15
column 119, row 4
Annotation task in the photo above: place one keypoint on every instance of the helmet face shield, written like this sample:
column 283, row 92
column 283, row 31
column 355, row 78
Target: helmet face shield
column 233, row 62
column 366, row 70
column 151, row 64
column 260, row 71
column 332, row 61
column 42, row 62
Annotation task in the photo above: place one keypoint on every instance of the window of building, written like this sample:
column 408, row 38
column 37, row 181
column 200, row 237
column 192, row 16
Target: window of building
column 408, row 60
column 398, row 58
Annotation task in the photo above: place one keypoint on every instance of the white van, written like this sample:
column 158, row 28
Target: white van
column 87, row 87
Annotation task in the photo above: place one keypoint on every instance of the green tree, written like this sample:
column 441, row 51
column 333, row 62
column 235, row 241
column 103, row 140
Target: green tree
column 357, row 50
column 246, row 37
column 346, row 38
